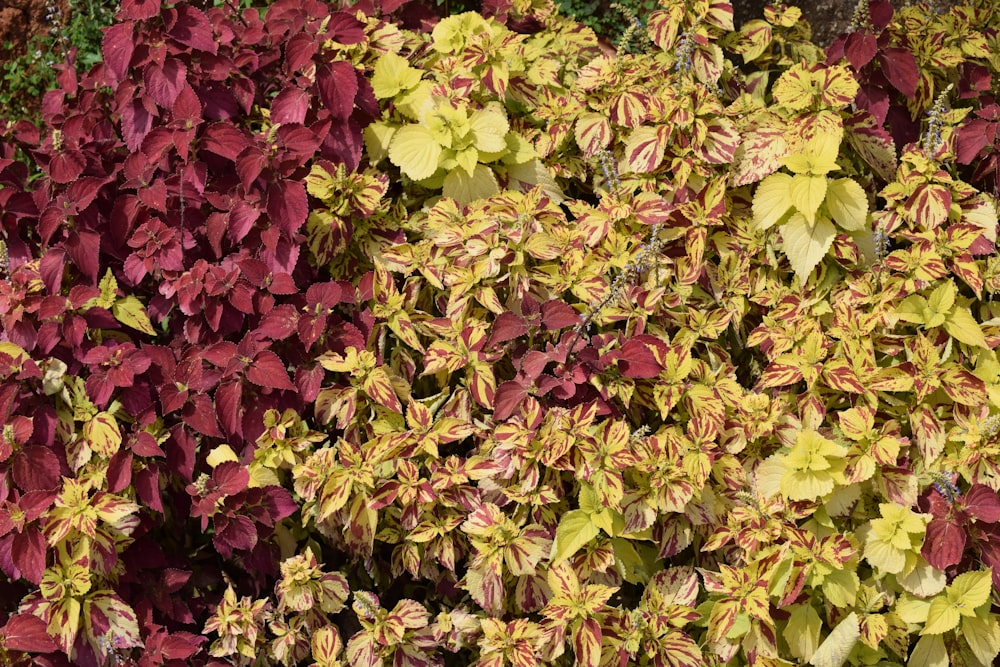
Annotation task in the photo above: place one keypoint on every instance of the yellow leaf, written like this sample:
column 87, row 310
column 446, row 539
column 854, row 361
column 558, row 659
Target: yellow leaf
column 847, row 204
column 772, row 201
column 802, row 631
column 465, row 189
column 490, row 127
column 962, row 326
column 930, row 651
column 838, row 645
column 392, row 75
column 575, row 529
column 415, row 151
column 220, row 454
column 969, row 591
column 103, row 434
column 942, row 616
column 807, row 193
column 795, row 89
column 983, row 636
column 806, row 244
column 130, row 312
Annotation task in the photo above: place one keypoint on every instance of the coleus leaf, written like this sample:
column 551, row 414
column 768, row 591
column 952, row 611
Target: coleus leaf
column 117, row 48
column 944, row 544
column 982, row 503
column 268, row 370
column 191, row 27
column 24, row 632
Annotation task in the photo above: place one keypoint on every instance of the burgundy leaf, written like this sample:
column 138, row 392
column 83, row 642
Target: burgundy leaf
column 288, row 205
column 137, row 121
column 28, row 552
column 299, row 51
column 290, row 105
column 191, row 27
column 507, row 400
column 164, row 83
column 225, row 140
column 231, row 477
column 944, row 544
column 346, row 28
column 119, row 474
column 36, row 468
column 901, row 70
column 507, row 326
column 229, row 408
column 140, row 9
column 147, row 485
column 199, row 414
column 236, row 532
column 267, row 370
column 84, row 249
column 338, row 86
column 982, row 503
column 860, row 48
column 557, row 314
column 66, row 167
column 117, row 48
column 25, row 632
column 637, row 360
column 973, row 137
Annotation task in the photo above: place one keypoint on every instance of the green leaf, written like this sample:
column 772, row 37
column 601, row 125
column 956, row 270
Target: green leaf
column 130, row 312
column 807, row 193
column 847, row 204
column 772, row 200
column 962, row 326
column 415, row 151
column 806, row 244
column 838, row 645
column 574, row 531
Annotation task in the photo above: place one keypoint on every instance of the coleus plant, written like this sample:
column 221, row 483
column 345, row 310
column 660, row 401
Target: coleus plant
column 504, row 339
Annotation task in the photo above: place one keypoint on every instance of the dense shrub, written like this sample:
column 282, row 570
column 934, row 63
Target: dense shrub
column 356, row 337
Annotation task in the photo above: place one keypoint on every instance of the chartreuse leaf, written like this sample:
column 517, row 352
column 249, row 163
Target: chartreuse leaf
column 838, row 645
column 807, row 193
column 893, row 540
column 966, row 593
column 416, row 151
column 962, row 326
column 466, row 189
column 818, row 156
column 489, row 130
column 806, row 243
column 575, row 530
column 930, row 651
column 847, row 204
column 983, row 637
column 803, row 631
column 130, row 312
column 393, row 75
column 812, row 467
column 772, row 200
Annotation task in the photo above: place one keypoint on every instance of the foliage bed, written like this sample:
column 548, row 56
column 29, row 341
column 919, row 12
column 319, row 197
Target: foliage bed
column 353, row 337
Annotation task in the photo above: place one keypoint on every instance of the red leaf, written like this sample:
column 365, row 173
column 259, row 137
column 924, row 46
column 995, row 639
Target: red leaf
column 180, row 645
column 36, row 469
column 973, row 137
column 507, row 326
column 67, row 166
column 25, row 632
column 860, row 48
column 164, row 83
column 982, row 503
column 236, row 532
column 229, row 408
column 231, row 477
column 140, row 9
column 190, row 27
column 346, row 28
column 944, row 544
column 199, row 414
column 117, row 48
column 137, row 121
column 901, row 70
column 338, row 86
column 225, row 140
column 267, row 370
column 507, row 400
column 28, row 552
column 288, row 205
column 557, row 314
column 290, row 105
column 637, row 361
column 147, row 485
